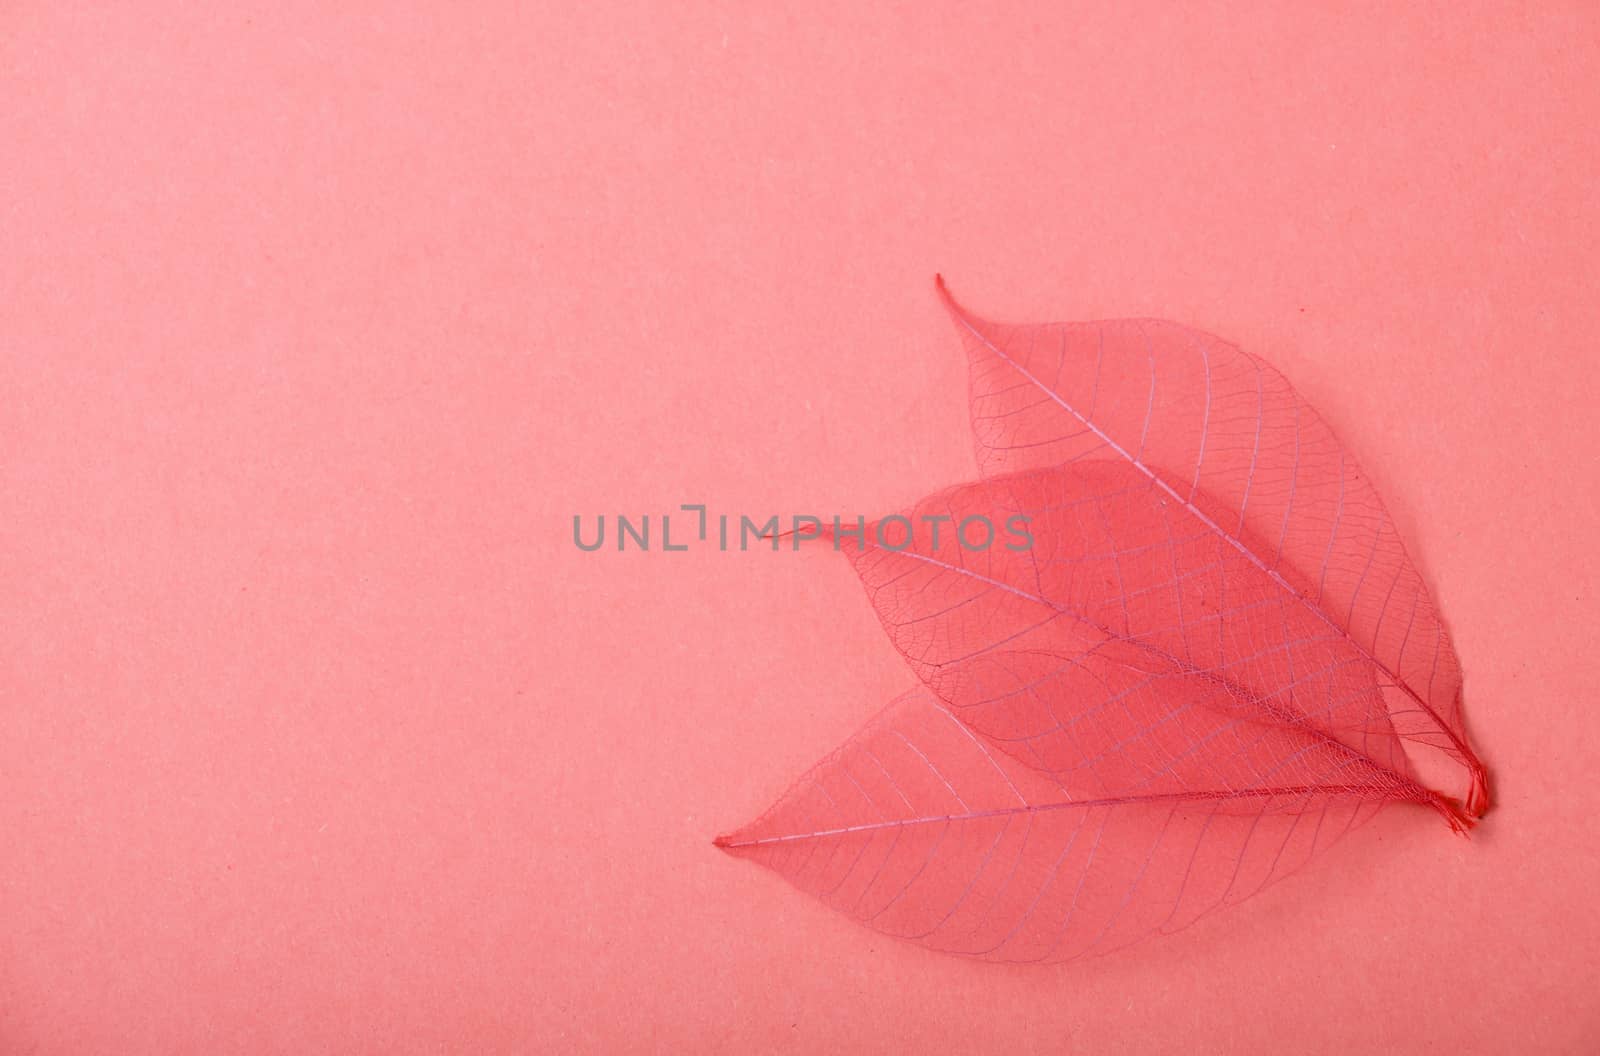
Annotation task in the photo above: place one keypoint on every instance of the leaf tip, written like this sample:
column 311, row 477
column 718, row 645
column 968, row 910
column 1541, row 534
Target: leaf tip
column 964, row 319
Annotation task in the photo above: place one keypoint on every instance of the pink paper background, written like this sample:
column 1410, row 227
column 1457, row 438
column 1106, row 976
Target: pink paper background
column 317, row 326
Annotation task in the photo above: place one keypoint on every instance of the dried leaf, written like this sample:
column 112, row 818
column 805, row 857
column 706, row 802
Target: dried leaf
column 1223, row 435
column 1182, row 651
column 921, row 830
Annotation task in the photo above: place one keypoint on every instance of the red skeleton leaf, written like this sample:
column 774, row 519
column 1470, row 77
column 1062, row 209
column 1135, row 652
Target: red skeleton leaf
column 1205, row 658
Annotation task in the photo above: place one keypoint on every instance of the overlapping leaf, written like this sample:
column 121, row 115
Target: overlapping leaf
column 919, row 828
column 1222, row 434
column 1213, row 655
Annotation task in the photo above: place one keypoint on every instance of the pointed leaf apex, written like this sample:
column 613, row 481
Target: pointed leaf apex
column 964, row 318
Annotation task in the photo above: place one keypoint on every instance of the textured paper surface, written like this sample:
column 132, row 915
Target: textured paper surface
column 316, row 328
